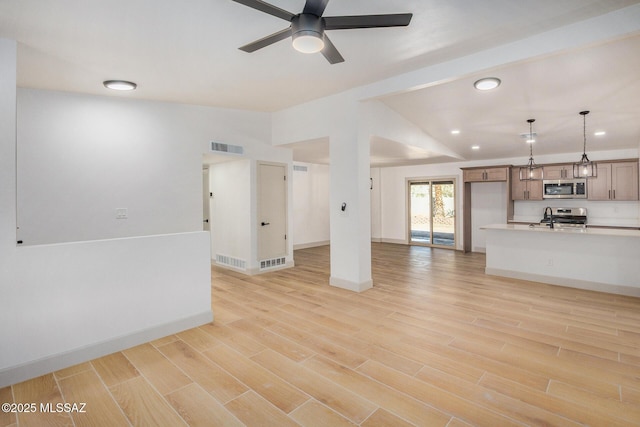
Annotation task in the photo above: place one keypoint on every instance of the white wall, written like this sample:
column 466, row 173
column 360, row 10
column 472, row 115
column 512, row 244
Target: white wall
column 489, row 206
column 230, row 183
column 310, row 205
column 82, row 157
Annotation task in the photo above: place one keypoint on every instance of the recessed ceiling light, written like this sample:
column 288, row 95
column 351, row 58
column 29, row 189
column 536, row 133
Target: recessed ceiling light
column 455, row 132
column 119, row 85
column 475, row 147
column 600, row 133
column 487, row 83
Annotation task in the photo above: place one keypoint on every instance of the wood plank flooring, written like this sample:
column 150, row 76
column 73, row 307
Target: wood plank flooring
column 436, row 342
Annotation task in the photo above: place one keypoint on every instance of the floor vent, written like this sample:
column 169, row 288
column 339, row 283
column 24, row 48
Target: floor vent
column 231, row 261
column 226, row 148
column 271, row 263
column 299, row 168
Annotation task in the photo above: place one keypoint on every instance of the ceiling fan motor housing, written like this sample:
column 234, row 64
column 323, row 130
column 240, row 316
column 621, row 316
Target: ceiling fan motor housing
column 307, row 24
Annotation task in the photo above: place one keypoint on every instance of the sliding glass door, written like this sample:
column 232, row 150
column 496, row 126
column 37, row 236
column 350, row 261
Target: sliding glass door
column 432, row 212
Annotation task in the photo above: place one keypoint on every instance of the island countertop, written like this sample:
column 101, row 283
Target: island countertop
column 599, row 259
column 537, row 228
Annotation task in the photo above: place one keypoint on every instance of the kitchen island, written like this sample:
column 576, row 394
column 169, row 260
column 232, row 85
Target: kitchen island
column 598, row 259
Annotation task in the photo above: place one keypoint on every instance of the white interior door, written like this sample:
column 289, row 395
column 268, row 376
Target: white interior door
column 272, row 210
column 206, row 198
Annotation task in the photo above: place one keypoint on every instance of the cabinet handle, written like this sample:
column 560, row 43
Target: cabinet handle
column 614, row 194
column 609, row 194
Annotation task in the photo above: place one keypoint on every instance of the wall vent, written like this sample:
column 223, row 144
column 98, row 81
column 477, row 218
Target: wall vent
column 271, row 263
column 226, row 148
column 299, row 168
column 231, row 261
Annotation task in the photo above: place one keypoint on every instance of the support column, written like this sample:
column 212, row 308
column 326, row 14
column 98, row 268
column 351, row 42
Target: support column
column 350, row 206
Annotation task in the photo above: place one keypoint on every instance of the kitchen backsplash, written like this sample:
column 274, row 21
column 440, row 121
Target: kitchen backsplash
column 615, row 214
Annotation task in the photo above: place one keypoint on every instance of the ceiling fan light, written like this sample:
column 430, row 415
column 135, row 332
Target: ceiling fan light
column 308, row 41
column 487, row 83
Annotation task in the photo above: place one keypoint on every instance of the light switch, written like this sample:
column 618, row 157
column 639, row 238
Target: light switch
column 121, row 213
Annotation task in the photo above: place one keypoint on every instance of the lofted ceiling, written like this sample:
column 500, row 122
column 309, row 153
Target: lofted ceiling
column 187, row 52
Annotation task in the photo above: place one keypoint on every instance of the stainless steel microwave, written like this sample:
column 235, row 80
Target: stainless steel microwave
column 564, row 188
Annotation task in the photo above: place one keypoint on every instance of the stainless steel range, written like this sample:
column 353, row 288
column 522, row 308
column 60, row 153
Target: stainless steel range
column 565, row 217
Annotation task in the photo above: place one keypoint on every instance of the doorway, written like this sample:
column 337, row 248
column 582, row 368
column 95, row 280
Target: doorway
column 432, row 213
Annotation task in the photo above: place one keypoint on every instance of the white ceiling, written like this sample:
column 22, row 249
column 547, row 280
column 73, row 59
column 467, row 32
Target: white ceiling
column 187, row 52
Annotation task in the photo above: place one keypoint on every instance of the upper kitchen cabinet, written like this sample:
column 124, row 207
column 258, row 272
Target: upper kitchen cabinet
column 524, row 190
column 615, row 181
column 558, row 172
column 492, row 174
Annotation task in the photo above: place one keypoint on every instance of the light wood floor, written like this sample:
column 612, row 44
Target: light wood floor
column 434, row 343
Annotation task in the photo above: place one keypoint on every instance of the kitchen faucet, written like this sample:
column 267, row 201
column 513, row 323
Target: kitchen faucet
column 550, row 215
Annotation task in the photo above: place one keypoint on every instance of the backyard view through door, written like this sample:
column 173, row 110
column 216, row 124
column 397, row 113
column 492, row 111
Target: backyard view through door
column 432, row 213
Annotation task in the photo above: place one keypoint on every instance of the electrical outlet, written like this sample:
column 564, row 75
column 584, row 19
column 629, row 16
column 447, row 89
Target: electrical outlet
column 550, row 261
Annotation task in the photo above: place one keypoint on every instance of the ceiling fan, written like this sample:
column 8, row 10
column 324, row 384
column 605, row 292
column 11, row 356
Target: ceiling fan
column 307, row 29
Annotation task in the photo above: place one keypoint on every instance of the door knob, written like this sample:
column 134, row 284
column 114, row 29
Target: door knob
column 264, row 223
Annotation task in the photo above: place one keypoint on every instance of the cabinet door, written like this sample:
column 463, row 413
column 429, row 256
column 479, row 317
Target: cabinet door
column 599, row 188
column 558, row 172
column 624, row 180
column 518, row 188
column 535, row 190
column 524, row 190
column 496, row 174
column 473, row 175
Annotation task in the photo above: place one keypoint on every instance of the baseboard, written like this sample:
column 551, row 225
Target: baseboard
column 36, row 368
column 310, row 245
column 349, row 285
column 395, row 241
column 566, row 282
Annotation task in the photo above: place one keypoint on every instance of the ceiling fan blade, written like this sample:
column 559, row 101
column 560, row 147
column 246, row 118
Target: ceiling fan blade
column 330, row 52
column 367, row 21
column 267, row 8
column 315, row 7
column 266, row 41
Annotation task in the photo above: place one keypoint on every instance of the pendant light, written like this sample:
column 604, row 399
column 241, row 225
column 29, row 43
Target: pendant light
column 585, row 168
column 531, row 172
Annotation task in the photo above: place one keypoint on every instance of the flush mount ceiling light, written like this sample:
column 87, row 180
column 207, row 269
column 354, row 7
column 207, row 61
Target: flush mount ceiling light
column 531, row 172
column 475, row 147
column 455, row 132
column 487, row 83
column 119, row 85
column 585, row 168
